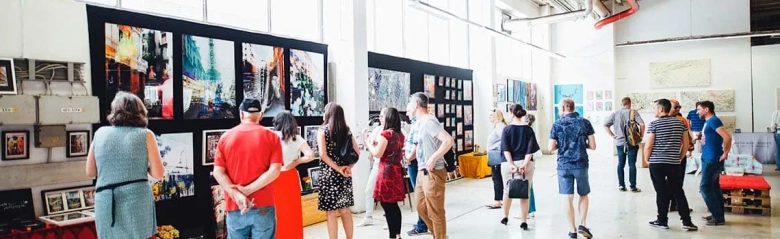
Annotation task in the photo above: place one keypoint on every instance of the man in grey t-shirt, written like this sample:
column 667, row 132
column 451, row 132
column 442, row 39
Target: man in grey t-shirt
column 619, row 119
column 432, row 143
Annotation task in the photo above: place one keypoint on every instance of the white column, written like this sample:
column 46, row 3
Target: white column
column 345, row 27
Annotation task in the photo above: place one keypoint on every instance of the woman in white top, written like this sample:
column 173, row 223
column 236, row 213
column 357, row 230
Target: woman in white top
column 289, row 215
column 369, row 194
column 494, row 145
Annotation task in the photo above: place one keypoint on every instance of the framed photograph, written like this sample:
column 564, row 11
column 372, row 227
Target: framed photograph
column 68, row 218
column 210, row 141
column 314, row 174
column 311, row 138
column 459, row 128
column 308, row 90
column 16, row 145
column 459, row 111
column 460, row 84
column 468, row 138
column 68, row 199
column 447, row 94
column 208, row 72
column 454, row 136
column 454, row 95
column 501, row 93
column 77, row 144
column 440, row 110
column 430, row 86
column 460, row 145
column 467, row 91
column 7, row 77
column 468, row 115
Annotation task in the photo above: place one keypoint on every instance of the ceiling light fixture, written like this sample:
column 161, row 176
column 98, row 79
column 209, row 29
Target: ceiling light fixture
column 701, row 38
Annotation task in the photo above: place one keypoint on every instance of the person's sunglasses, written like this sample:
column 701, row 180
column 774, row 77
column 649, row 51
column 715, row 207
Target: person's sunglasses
column 677, row 107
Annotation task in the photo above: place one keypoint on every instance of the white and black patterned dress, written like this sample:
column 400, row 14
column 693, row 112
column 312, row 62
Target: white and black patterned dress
column 335, row 189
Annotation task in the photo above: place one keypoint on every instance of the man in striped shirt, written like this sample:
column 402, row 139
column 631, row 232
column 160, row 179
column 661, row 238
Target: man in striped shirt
column 664, row 151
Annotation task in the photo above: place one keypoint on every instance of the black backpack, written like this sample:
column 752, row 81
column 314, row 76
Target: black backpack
column 450, row 160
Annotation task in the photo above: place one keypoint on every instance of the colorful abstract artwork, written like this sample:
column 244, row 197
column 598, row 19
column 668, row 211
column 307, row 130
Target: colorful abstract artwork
column 311, row 138
column 307, row 83
column 263, row 76
column 387, row 88
column 220, row 215
column 176, row 151
column 210, row 142
column 531, row 94
column 429, row 84
column 140, row 61
column 468, row 137
column 209, row 79
column 468, row 115
column 501, row 93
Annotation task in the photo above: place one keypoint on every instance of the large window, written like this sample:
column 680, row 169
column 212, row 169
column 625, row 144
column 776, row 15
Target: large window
column 187, row 9
column 417, row 34
column 247, row 14
column 296, row 18
column 389, row 30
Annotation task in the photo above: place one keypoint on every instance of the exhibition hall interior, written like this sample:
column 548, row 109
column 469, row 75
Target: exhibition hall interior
column 468, row 119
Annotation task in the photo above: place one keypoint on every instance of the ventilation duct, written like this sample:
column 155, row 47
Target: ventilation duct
column 634, row 7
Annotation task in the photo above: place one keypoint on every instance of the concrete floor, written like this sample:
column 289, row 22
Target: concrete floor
column 613, row 214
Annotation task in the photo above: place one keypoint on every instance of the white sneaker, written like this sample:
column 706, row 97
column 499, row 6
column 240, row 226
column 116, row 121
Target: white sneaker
column 366, row 222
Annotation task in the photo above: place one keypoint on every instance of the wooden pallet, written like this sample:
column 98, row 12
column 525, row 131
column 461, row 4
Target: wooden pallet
column 764, row 211
column 738, row 193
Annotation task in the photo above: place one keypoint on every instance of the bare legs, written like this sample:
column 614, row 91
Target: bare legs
column 333, row 223
column 523, row 207
column 583, row 208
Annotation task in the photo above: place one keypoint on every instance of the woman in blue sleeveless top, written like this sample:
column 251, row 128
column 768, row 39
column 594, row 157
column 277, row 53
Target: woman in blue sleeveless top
column 121, row 157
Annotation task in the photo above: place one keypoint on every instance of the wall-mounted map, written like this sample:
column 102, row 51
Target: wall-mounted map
column 724, row 100
column 730, row 122
column 643, row 102
column 688, row 73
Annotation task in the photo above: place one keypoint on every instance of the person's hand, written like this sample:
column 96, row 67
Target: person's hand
column 724, row 156
column 521, row 169
column 241, row 189
column 240, row 199
column 513, row 168
column 430, row 165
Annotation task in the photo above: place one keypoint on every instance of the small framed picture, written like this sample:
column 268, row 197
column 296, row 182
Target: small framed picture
column 210, row 142
column 77, row 144
column 16, row 145
column 314, row 175
column 460, row 84
column 7, row 77
column 441, row 81
column 68, row 199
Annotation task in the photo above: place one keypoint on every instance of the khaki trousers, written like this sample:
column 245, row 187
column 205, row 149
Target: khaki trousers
column 429, row 192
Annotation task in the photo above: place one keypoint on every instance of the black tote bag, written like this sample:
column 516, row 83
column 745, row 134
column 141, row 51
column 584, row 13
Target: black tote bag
column 518, row 187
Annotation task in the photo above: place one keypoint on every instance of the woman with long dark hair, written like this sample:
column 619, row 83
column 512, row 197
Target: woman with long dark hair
column 289, row 213
column 124, row 205
column 336, row 193
column 389, row 189
column 518, row 144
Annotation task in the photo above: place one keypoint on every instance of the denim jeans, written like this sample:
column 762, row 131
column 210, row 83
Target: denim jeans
column 630, row 154
column 412, row 168
column 260, row 223
column 710, row 187
column 777, row 151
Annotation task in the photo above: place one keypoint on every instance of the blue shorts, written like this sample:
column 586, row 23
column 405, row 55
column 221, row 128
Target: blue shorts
column 566, row 178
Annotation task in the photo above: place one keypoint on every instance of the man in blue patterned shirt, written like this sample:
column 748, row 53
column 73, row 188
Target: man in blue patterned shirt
column 572, row 136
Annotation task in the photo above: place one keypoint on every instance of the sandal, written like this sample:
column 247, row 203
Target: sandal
column 493, row 206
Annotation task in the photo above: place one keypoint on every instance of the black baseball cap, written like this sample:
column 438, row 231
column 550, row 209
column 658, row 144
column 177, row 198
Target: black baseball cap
column 251, row 105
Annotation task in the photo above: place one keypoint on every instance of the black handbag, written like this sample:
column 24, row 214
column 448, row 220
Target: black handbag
column 494, row 157
column 346, row 152
column 518, row 187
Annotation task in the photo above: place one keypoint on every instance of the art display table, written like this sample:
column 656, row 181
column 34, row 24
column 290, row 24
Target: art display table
column 472, row 166
column 311, row 215
column 760, row 145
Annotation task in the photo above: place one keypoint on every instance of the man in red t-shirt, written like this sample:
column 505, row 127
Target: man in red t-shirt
column 248, row 160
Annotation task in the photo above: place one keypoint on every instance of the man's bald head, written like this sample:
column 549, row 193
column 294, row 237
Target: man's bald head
column 675, row 107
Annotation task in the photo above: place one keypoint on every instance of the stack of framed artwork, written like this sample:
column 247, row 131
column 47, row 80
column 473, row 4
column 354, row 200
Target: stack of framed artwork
column 68, row 206
column 191, row 78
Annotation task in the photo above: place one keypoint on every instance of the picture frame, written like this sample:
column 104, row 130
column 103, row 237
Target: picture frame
column 311, row 138
column 441, row 80
column 209, row 145
column 68, row 218
column 501, row 92
column 60, row 201
column 314, row 174
column 7, row 77
column 16, row 145
column 77, row 143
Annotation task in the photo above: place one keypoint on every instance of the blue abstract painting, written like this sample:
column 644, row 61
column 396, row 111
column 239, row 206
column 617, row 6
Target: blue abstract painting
column 574, row 92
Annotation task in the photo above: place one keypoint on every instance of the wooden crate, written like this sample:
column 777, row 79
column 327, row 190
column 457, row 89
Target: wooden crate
column 764, row 211
column 760, row 204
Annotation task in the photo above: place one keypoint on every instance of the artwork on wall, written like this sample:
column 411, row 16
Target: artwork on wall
column 209, row 78
column 446, row 94
column 429, row 84
column 608, row 106
column 599, row 95
column 440, row 110
column 501, row 92
column 16, row 145
column 730, row 122
column 588, row 96
column 678, row 74
column 220, row 215
column 176, row 150
column 459, row 128
column 459, row 111
column 599, row 106
column 589, row 106
column 521, row 97
column 140, row 61
column 210, row 142
column 7, row 76
column 468, row 115
column 574, row 92
column 724, row 100
column 16, row 205
column 467, row 91
column 469, row 139
column 460, row 145
column 264, row 76
column 314, row 175
column 531, row 96
column 311, row 138
column 68, row 199
column 77, row 144
column 307, row 82
column 441, row 80
column 608, row 95
column 510, row 92
column 643, row 102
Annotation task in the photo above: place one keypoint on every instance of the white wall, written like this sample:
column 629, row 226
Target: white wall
column 766, row 81
column 590, row 60
column 730, row 59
